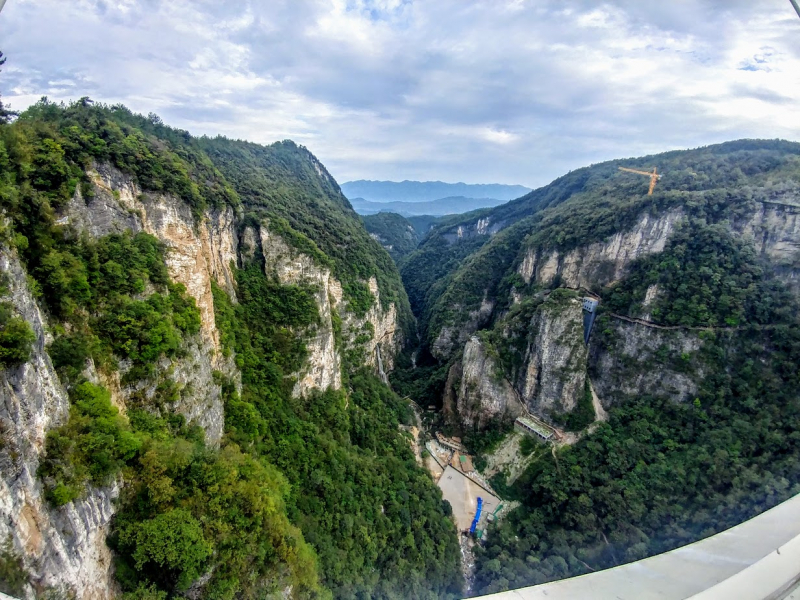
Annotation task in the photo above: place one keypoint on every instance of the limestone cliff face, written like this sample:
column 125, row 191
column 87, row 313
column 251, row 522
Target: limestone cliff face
column 196, row 255
column 482, row 226
column 323, row 367
column 554, row 372
column 550, row 378
column 386, row 338
column 603, row 262
column 200, row 253
column 645, row 360
column 63, row 550
column 774, row 228
column 450, row 337
column 478, row 386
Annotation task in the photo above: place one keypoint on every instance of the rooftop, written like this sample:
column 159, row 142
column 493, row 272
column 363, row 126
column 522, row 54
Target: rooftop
column 540, row 428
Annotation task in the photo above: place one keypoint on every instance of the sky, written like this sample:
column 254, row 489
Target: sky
column 505, row 91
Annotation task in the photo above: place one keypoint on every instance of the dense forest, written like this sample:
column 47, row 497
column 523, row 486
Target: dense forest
column 325, row 486
column 659, row 473
column 587, row 205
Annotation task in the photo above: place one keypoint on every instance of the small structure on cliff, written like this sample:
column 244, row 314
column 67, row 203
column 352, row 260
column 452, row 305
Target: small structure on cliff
column 452, row 443
column 589, row 315
column 529, row 425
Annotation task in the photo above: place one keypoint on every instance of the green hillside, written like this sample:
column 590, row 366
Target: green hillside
column 319, row 495
column 589, row 204
column 393, row 232
column 659, row 473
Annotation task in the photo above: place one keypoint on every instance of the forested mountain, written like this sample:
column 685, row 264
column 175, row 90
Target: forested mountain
column 426, row 191
column 193, row 334
column 693, row 355
column 400, row 235
column 422, row 224
column 393, row 232
column 451, row 205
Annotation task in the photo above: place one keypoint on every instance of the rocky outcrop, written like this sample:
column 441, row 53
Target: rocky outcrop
column 482, row 226
column 386, row 338
column 554, row 372
column 774, row 229
column 598, row 264
column 451, row 337
column 63, row 550
column 482, row 392
column 323, row 367
column 550, row 378
column 642, row 360
column 197, row 254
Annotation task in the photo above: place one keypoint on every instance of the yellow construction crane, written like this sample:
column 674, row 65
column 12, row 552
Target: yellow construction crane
column 653, row 177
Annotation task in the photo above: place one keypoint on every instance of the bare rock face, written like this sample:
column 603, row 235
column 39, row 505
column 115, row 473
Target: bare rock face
column 197, row 254
column 603, row 262
column 323, row 367
column 387, row 339
column 450, row 337
column 775, row 231
column 481, row 226
column 554, row 371
column 646, row 361
column 202, row 252
column 64, row 549
column 550, row 379
column 483, row 392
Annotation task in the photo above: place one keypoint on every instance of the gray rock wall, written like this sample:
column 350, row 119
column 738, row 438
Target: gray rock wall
column 554, row 372
column 63, row 550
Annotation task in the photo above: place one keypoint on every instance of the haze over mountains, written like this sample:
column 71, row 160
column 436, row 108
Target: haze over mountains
column 452, row 205
column 410, row 198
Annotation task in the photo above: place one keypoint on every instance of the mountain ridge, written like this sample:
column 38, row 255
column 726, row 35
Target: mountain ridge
column 417, row 191
column 450, row 205
column 195, row 338
column 713, row 256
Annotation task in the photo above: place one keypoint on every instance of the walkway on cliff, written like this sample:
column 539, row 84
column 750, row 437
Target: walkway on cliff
column 653, row 325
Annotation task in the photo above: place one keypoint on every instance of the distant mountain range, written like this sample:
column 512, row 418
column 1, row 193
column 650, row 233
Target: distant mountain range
column 442, row 206
column 426, row 191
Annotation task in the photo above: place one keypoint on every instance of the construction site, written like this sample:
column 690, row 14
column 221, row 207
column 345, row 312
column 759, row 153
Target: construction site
column 462, row 486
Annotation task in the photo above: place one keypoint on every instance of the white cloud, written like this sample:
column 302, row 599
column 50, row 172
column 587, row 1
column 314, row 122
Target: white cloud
column 515, row 91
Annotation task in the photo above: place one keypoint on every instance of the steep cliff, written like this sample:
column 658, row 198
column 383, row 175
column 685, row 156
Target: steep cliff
column 323, row 366
column 534, row 362
column 598, row 264
column 481, row 391
column 774, row 227
column 586, row 231
column 197, row 254
column 372, row 335
column 553, row 376
column 212, row 324
column 61, row 550
column 632, row 360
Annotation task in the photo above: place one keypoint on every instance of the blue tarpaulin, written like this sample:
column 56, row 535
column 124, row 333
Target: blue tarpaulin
column 477, row 516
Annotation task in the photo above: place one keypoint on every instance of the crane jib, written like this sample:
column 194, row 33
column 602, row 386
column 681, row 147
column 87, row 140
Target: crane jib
column 654, row 176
